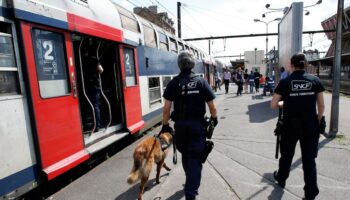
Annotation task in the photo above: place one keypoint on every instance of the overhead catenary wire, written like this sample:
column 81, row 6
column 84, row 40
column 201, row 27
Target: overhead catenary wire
column 188, row 27
column 177, row 20
column 221, row 14
column 142, row 5
column 197, row 22
column 132, row 3
column 219, row 20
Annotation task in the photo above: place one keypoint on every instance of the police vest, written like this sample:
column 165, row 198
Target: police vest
column 189, row 103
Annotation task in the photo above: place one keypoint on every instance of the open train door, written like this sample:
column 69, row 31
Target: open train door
column 49, row 62
column 131, row 88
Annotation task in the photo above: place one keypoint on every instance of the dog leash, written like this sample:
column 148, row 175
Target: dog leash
column 174, row 149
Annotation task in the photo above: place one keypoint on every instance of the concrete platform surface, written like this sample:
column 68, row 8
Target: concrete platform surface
column 240, row 166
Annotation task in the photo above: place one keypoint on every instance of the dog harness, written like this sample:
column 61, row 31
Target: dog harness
column 163, row 144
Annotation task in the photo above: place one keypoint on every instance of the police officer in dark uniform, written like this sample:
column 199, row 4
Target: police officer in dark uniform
column 302, row 93
column 189, row 92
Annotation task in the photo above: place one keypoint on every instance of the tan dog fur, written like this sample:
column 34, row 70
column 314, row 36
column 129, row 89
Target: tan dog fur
column 147, row 152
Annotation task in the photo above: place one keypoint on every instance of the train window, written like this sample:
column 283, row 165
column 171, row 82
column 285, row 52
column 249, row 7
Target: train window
column 128, row 20
column 187, row 48
column 163, row 41
column 150, row 36
column 196, row 53
column 82, row 2
column 173, row 46
column 51, row 65
column 154, row 90
column 192, row 51
column 129, row 66
column 181, row 46
column 7, row 58
column 166, row 80
column 9, row 83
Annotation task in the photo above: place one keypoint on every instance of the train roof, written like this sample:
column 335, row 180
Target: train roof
column 100, row 18
column 89, row 17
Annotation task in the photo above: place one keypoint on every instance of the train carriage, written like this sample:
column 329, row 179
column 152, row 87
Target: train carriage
column 48, row 123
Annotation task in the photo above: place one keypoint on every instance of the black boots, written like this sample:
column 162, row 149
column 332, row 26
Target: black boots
column 281, row 183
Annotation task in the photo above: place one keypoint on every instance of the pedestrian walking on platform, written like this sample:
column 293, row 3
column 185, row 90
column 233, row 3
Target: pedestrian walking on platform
column 226, row 78
column 251, row 82
column 189, row 93
column 303, row 109
column 284, row 73
column 239, row 81
column 257, row 76
column 217, row 81
column 246, row 81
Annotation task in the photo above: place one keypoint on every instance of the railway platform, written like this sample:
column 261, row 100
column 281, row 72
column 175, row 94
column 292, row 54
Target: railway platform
column 239, row 167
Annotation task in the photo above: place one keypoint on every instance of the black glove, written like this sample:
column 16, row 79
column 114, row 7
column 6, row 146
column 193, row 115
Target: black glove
column 166, row 128
column 214, row 120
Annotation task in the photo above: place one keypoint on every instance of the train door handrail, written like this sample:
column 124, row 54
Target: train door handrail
column 83, row 86
column 116, row 82
column 101, row 89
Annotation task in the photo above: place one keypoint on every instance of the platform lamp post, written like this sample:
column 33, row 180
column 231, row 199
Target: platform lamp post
column 267, row 31
column 334, row 121
column 285, row 9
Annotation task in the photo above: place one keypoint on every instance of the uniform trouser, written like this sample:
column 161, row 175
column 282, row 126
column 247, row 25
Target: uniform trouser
column 190, row 141
column 227, row 83
column 94, row 96
column 309, row 149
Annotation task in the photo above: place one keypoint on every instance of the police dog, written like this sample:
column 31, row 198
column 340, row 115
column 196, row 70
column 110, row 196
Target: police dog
column 147, row 152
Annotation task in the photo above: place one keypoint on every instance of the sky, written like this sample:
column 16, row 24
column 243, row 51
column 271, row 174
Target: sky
column 204, row 18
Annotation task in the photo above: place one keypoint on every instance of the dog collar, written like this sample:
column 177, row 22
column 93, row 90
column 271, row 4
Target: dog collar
column 163, row 144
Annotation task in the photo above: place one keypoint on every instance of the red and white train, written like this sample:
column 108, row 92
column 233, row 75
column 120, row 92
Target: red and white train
column 47, row 121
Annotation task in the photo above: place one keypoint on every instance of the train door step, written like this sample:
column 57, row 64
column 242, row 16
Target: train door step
column 90, row 138
column 106, row 142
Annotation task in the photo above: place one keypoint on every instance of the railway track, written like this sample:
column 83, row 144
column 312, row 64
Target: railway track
column 344, row 85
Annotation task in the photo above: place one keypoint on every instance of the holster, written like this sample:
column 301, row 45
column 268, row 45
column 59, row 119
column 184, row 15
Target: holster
column 209, row 145
column 322, row 125
column 279, row 128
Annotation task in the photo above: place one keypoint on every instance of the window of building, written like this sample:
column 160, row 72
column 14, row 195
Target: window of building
column 51, row 66
column 129, row 67
column 150, row 36
column 173, row 45
column 154, row 90
column 128, row 20
column 9, row 83
column 163, row 41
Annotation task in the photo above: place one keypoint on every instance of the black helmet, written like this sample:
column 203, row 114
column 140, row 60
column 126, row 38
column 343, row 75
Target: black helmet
column 185, row 61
